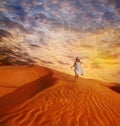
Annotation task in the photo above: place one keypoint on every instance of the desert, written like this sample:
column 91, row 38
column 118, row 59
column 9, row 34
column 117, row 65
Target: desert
column 39, row 96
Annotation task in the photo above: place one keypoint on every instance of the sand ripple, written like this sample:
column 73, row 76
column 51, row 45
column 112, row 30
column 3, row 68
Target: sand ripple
column 55, row 100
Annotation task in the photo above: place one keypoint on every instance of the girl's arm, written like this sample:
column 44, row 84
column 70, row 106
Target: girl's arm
column 73, row 65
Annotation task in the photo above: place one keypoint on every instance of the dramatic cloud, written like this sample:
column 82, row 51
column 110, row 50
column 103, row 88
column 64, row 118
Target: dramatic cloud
column 53, row 32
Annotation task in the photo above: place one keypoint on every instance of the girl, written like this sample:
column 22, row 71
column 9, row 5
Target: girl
column 77, row 68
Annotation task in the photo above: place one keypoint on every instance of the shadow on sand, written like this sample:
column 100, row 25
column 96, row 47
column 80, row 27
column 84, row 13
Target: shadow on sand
column 115, row 88
column 25, row 92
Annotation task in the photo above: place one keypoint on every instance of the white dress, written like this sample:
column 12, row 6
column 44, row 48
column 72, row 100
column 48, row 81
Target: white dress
column 77, row 68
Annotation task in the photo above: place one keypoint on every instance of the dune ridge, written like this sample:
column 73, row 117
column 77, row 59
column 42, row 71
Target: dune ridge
column 50, row 98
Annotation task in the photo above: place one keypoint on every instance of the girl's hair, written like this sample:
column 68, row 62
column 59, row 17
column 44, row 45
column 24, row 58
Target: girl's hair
column 78, row 60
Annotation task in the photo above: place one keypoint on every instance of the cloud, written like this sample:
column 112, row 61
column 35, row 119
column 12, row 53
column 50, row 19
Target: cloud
column 62, row 62
column 4, row 33
column 53, row 33
column 69, row 13
column 95, row 65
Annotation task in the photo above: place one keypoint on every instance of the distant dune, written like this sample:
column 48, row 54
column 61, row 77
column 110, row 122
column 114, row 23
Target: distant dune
column 38, row 96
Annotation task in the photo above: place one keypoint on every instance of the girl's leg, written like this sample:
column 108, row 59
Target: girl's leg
column 76, row 77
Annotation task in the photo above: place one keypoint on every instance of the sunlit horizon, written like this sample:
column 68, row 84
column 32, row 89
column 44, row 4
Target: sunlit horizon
column 52, row 33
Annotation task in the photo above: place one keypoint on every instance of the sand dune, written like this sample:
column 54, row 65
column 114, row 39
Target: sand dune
column 37, row 96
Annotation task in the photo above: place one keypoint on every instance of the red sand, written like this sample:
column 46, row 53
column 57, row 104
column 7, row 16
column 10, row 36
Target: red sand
column 37, row 96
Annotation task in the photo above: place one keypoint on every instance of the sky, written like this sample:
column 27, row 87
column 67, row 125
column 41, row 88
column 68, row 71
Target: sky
column 52, row 33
